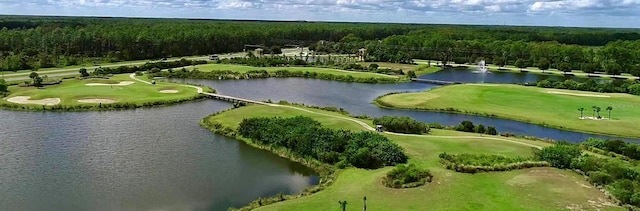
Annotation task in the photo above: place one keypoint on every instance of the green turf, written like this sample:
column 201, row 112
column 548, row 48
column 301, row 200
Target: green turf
column 528, row 189
column 243, row 68
column 530, row 104
column 72, row 90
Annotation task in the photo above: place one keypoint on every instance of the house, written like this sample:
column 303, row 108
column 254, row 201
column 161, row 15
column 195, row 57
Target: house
column 379, row 128
column 214, row 57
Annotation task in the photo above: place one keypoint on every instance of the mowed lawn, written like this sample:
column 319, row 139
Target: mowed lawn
column 552, row 107
column 528, row 189
column 243, row 68
column 72, row 90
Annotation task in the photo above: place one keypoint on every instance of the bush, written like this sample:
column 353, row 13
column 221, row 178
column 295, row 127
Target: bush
column 599, row 178
column 407, row 176
column 466, row 126
column 559, row 155
column 402, row 125
column 492, row 130
column 472, row 163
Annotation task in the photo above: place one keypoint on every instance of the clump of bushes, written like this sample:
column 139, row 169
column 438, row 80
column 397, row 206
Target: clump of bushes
column 630, row 150
column 402, row 125
column 407, row 176
column 306, row 137
column 474, row 163
column 227, row 75
column 617, row 86
column 149, row 66
column 467, row 126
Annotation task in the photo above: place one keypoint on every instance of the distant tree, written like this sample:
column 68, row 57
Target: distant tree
column 588, row 68
column 154, row 70
column 276, row 49
column 520, row 64
column 466, row 126
column 581, row 112
column 564, row 67
column 373, row 66
column 83, row 72
column 3, row 86
column 343, row 205
column 33, row 75
column 480, row 129
column 492, row 130
column 543, row 64
column 37, row 81
column 594, row 111
column 598, row 109
column 412, row 74
column 609, row 108
column 250, row 54
column 612, row 68
column 500, row 61
column 559, row 155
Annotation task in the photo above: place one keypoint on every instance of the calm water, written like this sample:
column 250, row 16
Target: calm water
column 468, row 76
column 145, row 159
column 357, row 99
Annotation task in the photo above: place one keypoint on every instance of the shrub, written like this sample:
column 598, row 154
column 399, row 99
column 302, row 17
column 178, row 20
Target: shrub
column 472, row 163
column 402, row 125
column 407, row 176
column 559, row 155
column 466, row 126
column 492, row 130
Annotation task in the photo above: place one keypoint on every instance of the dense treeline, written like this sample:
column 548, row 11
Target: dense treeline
column 614, row 86
column 614, row 57
column 630, row 150
column 474, row 163
column 467, row 126
column 307, row 138
column 152, row 67
column 38, row 42
column 619, row 178
column 401, row 124
column 228, row 74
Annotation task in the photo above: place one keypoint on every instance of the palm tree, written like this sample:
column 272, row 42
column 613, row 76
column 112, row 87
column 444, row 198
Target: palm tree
column 598, row 109
column 365, row 203
column 594, row 111
column 581, row 110
column 609, row 108
column 343, row 205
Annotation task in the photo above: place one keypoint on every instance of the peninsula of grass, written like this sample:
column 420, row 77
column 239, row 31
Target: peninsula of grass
column 549, row 107
column 116, row 92
column 525, row 189
column 317, row 70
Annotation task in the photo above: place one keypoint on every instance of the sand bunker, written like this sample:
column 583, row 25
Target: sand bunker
column 592, row 118
column 96, row 100
column 576, row 94
column 122, row 83
column 25, row 100
column 169, row 91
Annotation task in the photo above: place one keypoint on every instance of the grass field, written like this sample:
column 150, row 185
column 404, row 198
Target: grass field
column 243, row 68
column 528, row 189
column 420, row 69
column 72, row 90
column 551, row 107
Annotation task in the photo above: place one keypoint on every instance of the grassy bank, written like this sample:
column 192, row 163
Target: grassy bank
column 526, row 189
column 549, row 107
column 318, row 70
column 116, row 92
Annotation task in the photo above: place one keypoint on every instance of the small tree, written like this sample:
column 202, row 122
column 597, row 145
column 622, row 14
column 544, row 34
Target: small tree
column 564, row 67
column 560, row 155
column 594, row 111
column 33, row 75
column 492, row 130
column 543, row 64
column 276, row 49
column 609, row 108
column 373, row 66
column 343, row 205
column 520, row 64
column 83, row 72
column 412, row 74
column 581, row 112
column 480, row 129
column 466, row 126
column 3, row 86
column 598, row 109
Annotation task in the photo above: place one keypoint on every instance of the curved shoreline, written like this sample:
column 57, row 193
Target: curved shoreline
column 528, row 121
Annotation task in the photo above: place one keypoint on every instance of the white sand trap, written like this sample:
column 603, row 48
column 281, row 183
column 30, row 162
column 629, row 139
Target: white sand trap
column 96, row 100
column 122, row 83
column 169, row 91
column 593, row 118
column 576, row 94
column 25, row 100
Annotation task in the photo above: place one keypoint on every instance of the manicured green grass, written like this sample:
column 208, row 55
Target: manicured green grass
column 243, row 68
column 528, row 189
column 72, row 90
column 530, row 104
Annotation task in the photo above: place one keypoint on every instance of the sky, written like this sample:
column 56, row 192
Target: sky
column 580, row 13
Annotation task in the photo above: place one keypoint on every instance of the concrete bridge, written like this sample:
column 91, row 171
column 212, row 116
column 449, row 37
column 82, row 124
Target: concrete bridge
column 439, row 82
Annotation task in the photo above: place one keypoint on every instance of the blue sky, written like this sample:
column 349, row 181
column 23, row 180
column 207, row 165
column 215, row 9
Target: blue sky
column 583, row 13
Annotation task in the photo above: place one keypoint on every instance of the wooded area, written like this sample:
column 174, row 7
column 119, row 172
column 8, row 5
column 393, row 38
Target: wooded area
column 28, row 42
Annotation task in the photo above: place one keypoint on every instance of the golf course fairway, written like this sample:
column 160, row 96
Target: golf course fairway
column 557, row 108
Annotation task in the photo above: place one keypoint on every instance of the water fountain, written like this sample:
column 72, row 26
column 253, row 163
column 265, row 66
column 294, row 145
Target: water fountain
column 482, row 67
